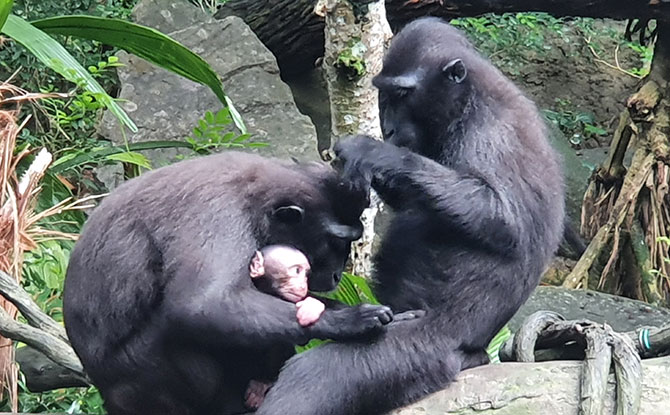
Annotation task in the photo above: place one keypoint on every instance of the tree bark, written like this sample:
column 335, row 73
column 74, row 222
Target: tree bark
column 291, row 30
column 355, row 39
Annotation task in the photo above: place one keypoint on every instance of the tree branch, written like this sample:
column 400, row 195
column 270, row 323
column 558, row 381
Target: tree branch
column 291, row 30
column 13, row 292
column 46, row 335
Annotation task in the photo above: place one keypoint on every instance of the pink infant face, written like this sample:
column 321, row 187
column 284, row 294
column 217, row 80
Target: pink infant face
column 287, row 267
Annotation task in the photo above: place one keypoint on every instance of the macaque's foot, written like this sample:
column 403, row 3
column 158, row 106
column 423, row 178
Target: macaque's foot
column 309, row 311
column 253, row 397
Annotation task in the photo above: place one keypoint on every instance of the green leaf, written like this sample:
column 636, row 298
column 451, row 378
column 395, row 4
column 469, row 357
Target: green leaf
column 132, row 158
column 66, row 163
column 493, row 350
column 53, row 55
column 5, row 8
column 148, row 44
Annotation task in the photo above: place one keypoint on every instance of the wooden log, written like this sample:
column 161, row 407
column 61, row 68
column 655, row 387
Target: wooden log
column 291, row 30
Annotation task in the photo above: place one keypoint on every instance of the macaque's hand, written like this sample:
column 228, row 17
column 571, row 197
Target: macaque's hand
column 309, row 311
column 253, row 397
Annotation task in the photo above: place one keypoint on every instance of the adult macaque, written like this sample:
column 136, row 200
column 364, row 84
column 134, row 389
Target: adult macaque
column 158, row 302
column 478, row 198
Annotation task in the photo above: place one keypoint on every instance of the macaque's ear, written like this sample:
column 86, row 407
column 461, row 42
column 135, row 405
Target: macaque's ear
column 257, row 268
column 455, row 71
column 291, row 214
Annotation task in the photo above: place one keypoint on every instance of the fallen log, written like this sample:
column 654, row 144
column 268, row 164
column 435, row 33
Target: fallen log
column 291, row 30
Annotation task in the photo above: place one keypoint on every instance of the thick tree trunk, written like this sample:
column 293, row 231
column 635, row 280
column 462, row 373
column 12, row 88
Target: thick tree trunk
column 291, row 30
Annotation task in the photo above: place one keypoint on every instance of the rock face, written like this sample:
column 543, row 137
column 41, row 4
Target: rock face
column 552, row 387
column 166, row 106
column 547, row 388
column 622, row 314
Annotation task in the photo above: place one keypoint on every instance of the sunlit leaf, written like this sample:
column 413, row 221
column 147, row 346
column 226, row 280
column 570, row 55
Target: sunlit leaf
column 5, row 8
column 132, row 158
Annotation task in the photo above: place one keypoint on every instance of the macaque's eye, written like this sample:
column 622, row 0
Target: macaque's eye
column 401, row 92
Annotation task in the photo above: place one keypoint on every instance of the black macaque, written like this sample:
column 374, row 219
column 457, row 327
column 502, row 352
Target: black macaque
column 159, row 304
column 478, row 198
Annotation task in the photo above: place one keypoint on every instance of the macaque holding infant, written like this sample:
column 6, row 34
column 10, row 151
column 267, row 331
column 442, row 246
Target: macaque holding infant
column 282, row 271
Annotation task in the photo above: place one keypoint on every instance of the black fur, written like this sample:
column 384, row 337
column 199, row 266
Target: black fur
column 478, row 196
column 159, row 304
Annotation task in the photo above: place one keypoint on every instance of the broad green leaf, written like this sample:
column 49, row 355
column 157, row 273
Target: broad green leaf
column 53, row 55
column 132, row 158
column 66, row 162
column 148, row 44
column 352, row 290
column 5, row 8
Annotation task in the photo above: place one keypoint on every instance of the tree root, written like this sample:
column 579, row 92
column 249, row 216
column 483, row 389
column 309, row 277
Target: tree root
column 601, row 347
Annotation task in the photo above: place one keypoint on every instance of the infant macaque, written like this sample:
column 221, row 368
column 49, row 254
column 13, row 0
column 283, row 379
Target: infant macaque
column 282, row 271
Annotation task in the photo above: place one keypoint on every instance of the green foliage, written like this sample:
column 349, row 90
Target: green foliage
column 72, row 401
column 350, row 61
column 55, row 56
column 578, row 126
column 43, row 275
column 5, row 9
column 145, row 42
column 72, row 121
column 645, row 54
column 511, row 35
column 34, row 76
column 213, row 131
column 76, row 158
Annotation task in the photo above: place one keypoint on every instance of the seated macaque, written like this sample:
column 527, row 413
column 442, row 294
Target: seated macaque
column 282, row 271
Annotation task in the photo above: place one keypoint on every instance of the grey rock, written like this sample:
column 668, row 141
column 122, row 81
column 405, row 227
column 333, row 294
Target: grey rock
column 166, row 106
column 168, row 16
column 622, row 314
column 311, row 96
column 111, row 176
column 576, row 174
column 547, row 388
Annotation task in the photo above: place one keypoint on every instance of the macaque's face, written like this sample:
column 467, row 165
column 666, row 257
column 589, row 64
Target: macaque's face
column 286, row 267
